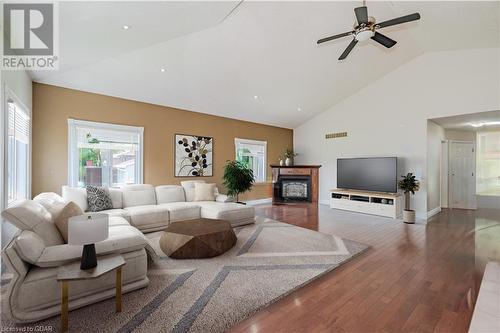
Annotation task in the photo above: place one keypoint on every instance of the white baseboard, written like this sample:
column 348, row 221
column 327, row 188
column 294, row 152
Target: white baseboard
column 433, row 212
column 324, row 202
column 259, row 201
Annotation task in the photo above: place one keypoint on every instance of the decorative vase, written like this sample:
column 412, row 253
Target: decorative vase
column 288, row 161
column 282, row 163
column 408, row 216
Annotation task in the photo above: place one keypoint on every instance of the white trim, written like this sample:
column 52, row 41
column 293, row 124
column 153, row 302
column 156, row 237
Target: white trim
column 324, row 202
column 259, row 201
column 73, row 158
column 9, row 94
column 254, row 142
column 433, row 212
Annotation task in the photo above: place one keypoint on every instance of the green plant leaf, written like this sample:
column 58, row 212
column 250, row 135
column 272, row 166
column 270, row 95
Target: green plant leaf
column 237, row 178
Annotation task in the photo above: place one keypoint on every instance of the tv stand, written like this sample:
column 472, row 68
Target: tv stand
column 375, row 203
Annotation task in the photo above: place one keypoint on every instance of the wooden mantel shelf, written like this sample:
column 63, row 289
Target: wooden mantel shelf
column 296, row 166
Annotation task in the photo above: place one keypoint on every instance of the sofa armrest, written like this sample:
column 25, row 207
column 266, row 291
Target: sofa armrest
column 224, row 198
column 122, row 239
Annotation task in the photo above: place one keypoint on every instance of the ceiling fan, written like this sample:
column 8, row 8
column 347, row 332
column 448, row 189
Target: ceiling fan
column 366, row 27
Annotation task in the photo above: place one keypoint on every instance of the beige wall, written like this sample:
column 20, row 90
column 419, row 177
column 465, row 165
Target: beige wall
column 52, row 106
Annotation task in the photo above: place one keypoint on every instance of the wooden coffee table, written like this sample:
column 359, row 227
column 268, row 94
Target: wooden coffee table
column 195, row 239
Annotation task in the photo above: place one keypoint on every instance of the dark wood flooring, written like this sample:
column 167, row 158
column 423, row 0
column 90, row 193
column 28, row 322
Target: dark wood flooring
column 415, row 278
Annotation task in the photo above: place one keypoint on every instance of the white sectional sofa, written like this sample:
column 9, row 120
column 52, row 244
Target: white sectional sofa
column 150, row 208
column 37, row 250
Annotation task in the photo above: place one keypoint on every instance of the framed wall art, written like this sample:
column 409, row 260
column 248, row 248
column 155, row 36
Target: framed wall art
column 193, row 155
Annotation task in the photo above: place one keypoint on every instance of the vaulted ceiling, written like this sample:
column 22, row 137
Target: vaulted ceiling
column 255, row 61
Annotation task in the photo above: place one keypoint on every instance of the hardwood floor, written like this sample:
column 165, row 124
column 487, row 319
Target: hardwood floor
column 415, row 278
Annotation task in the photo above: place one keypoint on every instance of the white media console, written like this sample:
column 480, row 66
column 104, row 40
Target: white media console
column 375, row 203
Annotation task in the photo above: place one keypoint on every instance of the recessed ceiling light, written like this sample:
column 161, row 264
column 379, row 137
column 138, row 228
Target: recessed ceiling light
column 162, row 69
column 299, row 109
column 126, row 27
column 255, row 96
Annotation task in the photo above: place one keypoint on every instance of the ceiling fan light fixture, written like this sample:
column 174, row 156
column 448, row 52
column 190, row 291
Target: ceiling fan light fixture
column 364, row 35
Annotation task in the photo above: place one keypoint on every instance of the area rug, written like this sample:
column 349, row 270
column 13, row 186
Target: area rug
column 270, row 260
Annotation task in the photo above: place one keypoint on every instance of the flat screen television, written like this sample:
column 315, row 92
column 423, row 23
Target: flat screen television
column 377, row 174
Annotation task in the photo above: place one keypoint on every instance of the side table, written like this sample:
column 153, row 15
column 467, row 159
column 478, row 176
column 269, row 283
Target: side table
column 72, row 272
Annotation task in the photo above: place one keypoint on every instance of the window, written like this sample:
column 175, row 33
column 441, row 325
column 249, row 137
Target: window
column 18, row 151
column 103, row 154
column 253, row 154
column 488, row 163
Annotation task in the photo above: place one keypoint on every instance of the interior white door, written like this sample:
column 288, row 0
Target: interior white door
column 462, row 175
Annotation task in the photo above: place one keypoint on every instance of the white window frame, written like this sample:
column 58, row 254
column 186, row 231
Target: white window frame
column 73, row 156
column 254, row 142
column 10, row 96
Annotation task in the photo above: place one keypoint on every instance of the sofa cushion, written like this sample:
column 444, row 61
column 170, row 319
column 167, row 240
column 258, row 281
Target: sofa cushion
column 98, row 198
column 188, row 186
column 116, row 197
column 204, row 192
column 181, row 211
column 148, row 218
column 29, row 246
column 121, row 239
column 30, row 215
column 76, row 194
column 116, row 213
column 79, row 196
column 138, row 195
column 228, row 211
column 70, row 209
column 169, row 193
column 53, row 202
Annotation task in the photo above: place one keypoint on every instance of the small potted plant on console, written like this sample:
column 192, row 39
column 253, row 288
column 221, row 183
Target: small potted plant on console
column 238, row 178
column 409, row 185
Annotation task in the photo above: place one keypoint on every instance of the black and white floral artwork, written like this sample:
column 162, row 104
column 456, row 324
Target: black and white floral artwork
column 193, row 155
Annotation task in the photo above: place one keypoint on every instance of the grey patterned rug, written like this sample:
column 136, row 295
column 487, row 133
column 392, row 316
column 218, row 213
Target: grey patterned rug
column 270, row 260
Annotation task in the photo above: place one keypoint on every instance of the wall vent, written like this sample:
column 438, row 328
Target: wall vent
column 335, row 135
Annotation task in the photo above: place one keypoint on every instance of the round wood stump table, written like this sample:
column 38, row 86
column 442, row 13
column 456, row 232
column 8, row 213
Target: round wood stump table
column 196, row 239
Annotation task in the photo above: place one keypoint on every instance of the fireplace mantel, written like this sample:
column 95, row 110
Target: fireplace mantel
column 310, row 173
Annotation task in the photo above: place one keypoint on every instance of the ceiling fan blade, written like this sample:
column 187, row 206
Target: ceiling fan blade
column 361, row 14
column 384, row 40
column 399, row 20
column 327, row 39
column 348, row 49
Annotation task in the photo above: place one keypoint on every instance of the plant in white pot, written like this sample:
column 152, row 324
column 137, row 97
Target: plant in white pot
column 409, row 185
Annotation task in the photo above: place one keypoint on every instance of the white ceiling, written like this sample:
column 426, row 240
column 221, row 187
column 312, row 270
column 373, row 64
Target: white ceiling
column 463, row 122
column 218, row 55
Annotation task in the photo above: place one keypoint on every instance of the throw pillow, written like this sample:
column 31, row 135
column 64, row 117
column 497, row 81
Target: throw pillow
column 71, row 209
column 204, row 192
column 188, row 186
column 98, row 199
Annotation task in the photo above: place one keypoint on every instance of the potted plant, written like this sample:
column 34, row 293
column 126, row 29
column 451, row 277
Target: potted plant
column 409, row 185
column 238, row 178
column 289, row 155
